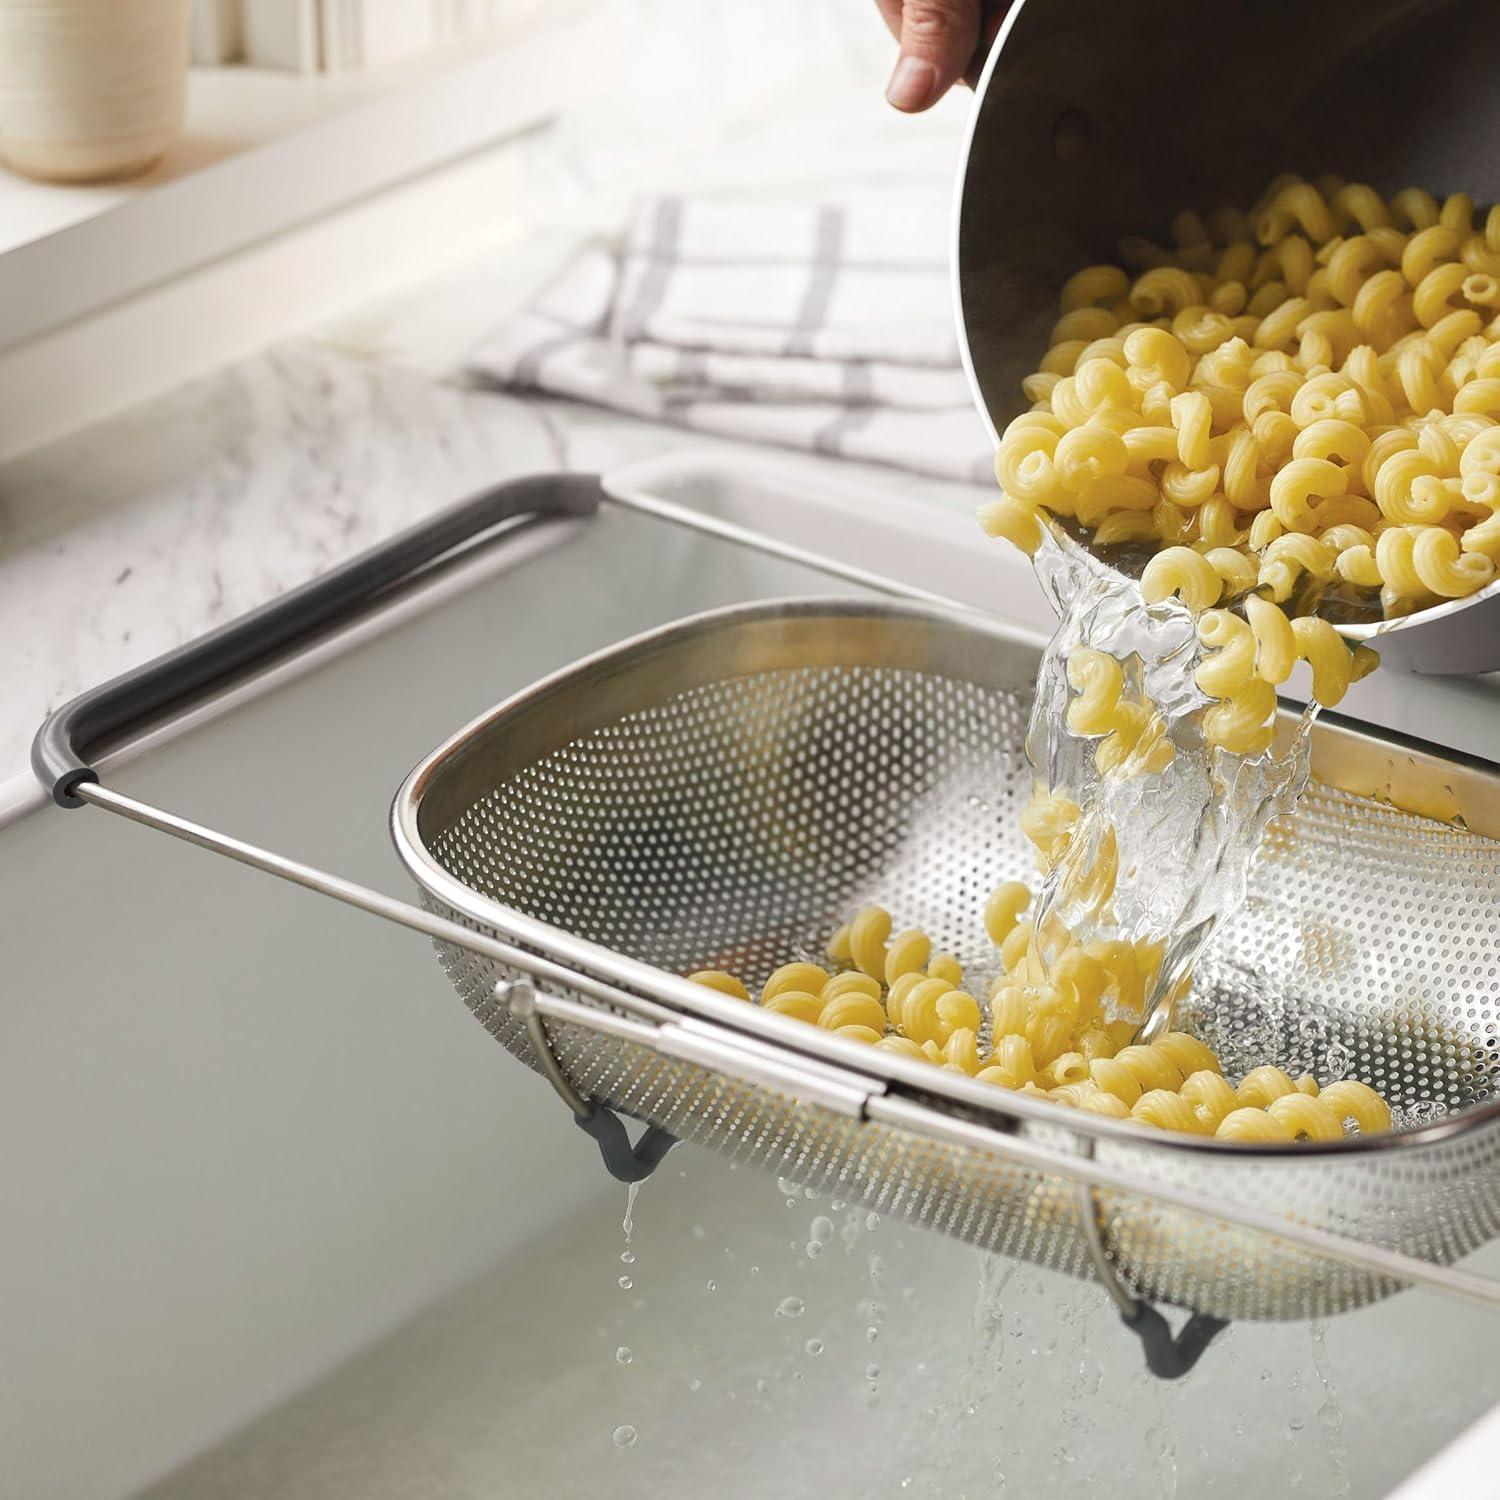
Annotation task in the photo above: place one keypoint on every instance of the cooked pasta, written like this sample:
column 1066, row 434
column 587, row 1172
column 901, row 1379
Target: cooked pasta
column 906, row 953
column 808, row 978
column 717, row 979
column 867, row 935
column 1050, row 1035
column 1310, row 399
column 1098, row 680
column 1003, row 909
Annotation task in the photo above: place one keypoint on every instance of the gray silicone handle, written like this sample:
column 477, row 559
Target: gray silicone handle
column 61, row 751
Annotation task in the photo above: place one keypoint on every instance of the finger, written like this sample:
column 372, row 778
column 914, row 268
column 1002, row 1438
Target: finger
column 890, row 13
column 938, row 38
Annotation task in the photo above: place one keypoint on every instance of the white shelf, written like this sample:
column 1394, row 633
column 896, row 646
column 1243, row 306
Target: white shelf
column 230, row 110
column 264, row 151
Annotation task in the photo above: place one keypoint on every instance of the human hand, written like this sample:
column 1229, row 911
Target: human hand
column 941, row 42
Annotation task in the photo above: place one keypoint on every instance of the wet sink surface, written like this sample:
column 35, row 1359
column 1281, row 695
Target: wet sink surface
column 726, row 1354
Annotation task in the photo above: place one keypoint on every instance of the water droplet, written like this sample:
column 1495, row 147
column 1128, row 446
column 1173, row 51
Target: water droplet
column 623, row 1355
column 760, row 1387
column 713, row 1286
column 797, row 1375
column 695, row 1384
column 1295, row 1424
column 836, row 1204
column 871, row 1371
column 698, row 1231
column 755, row 1270
column 872, row 1221
column 811, row 1194
column 628, row 1257
column 820, row 1230
column 871, row 1334
column 626, row 1283
column 814, row 1346
column 788, row 1187
column 791, row 1307
column 624, row 1436
column 814, row 1249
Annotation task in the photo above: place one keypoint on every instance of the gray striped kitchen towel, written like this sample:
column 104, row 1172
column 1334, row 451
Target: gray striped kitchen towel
column 827, row 327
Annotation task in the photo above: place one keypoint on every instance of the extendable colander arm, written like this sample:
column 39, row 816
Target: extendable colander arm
column 64, row 749
column 67, row 744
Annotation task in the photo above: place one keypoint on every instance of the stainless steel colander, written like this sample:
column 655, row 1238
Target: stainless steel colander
column 721, row 792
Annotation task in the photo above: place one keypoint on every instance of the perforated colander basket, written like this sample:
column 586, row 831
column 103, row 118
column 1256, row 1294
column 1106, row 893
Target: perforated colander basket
column 721, row 793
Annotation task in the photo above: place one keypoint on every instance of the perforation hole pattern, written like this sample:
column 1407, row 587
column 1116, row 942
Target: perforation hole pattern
column 736, row 823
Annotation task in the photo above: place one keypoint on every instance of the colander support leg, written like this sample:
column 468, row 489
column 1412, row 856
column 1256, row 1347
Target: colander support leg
column 1168, row 1356
column 625, row 1162
column 622, row 1161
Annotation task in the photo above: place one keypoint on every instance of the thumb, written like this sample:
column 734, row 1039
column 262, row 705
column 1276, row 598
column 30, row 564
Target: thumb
column 938, row 39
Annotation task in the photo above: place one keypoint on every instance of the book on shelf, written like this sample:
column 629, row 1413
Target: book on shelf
column 281, row 34
column 339, row 36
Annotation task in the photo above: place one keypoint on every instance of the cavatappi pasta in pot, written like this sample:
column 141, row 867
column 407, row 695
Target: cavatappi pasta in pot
column 1299, row 399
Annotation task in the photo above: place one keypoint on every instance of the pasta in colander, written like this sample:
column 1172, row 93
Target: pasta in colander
column 1058, row 1039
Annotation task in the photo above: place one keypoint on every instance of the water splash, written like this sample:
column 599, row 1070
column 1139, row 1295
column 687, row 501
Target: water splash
column 1185, row 835
column 981, row 1370
column 1161, row 1443
column 1330, row 1415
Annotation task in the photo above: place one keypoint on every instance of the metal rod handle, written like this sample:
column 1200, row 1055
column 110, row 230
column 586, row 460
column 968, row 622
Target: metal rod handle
column 759, row 541
column 1465, row 1285
column 67, row 742
column 1081, row 1167
column 365, row 898
column 692, row 1042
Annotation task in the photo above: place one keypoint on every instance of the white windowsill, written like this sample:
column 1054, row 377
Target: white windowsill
column 263, row 152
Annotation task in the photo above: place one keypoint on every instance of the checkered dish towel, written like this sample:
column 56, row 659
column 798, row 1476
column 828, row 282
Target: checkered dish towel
column 820, row 327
